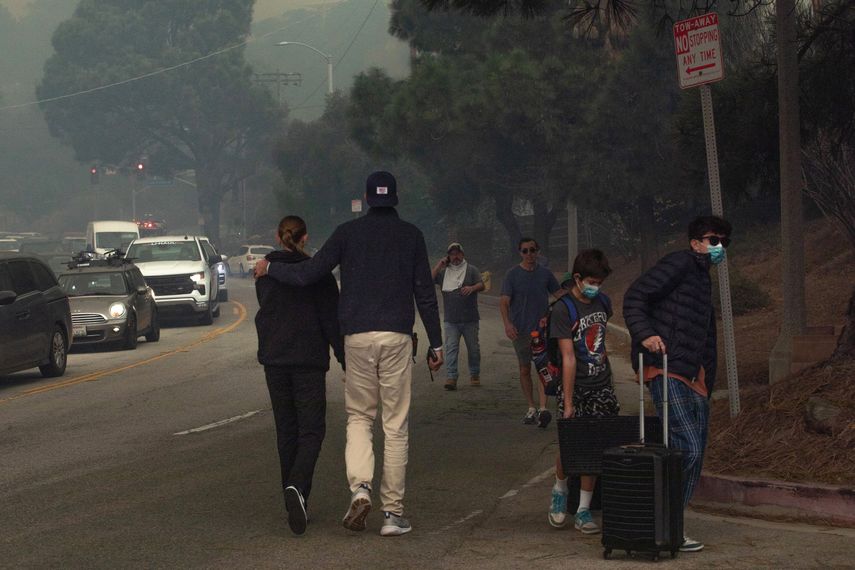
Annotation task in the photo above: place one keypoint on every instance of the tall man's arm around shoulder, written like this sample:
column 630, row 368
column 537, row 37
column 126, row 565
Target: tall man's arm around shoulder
column 308, row 272
column 425, row 296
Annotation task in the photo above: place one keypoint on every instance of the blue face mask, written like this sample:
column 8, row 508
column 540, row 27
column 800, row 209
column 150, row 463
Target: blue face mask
column 716, row 253
column 590, row 291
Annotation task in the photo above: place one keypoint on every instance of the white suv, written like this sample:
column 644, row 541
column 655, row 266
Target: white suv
column 183, row 277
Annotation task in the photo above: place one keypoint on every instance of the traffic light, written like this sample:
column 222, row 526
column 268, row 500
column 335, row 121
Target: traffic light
column 140, row 169
column 93, row 174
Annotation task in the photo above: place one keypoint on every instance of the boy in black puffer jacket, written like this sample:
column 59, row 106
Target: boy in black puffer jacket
column 669, row 310
column 296, row 327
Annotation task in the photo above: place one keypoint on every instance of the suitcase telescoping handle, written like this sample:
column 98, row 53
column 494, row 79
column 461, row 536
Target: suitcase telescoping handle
column 664, row 398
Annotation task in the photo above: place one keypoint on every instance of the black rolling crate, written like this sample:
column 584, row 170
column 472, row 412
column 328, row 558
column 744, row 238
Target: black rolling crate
column 582, row 441
column 642, row 494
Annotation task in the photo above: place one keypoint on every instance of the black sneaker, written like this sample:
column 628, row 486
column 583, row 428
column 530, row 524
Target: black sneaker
column 543, row 418
column 296, row 507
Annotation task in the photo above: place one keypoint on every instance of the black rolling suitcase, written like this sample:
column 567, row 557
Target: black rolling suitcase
column 642, row 488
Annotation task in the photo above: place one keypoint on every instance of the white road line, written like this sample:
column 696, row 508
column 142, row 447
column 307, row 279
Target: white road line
column 448, row 527
column 531, row 483
column 540, row 478
column 218, row 424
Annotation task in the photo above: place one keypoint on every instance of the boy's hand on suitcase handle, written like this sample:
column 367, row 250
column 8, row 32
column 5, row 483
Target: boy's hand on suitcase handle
column 654, row 344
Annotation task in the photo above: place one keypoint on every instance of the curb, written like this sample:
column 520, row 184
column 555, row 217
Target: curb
column 834, row 505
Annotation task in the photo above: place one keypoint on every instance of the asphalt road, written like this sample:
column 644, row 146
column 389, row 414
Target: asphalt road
column 124, row 463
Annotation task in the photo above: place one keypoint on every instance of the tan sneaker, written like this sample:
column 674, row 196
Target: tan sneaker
column 451, row 384
column 475, row 381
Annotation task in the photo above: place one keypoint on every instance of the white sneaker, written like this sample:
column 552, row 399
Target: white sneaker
column 394, row 525
column 360, row 506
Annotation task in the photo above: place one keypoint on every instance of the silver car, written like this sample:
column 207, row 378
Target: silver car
column 110, row 304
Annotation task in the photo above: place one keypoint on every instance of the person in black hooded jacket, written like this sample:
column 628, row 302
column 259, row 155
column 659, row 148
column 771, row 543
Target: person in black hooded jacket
column 296, row 327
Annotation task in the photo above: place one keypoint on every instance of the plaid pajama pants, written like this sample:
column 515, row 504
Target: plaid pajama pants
column 688, row 425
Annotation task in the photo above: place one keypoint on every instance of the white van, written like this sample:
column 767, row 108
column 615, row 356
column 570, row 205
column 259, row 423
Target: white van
column 105, row 235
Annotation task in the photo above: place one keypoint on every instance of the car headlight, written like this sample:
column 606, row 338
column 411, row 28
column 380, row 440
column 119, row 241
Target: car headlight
column 117, row 310
column 198, row 278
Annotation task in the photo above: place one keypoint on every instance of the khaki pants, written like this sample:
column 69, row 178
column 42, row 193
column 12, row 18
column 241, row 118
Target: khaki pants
column 379, row 371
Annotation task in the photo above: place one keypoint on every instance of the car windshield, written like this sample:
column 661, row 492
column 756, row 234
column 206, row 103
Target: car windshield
column 164, row 251
column 114, row 240
column 84, row 284
column 74, row 244
column 40, row 247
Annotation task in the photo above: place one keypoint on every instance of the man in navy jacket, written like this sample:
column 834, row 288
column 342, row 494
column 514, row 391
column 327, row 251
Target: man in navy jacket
column 384, row 266
column 669, row 310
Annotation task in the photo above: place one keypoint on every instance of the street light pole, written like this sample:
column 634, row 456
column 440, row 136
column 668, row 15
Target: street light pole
column 326, row 56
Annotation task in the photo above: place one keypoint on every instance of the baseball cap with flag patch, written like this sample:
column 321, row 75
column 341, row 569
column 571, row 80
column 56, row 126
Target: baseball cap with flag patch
column 381, row 189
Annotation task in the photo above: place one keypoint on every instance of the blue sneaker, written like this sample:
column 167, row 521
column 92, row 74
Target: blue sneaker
column 558, row 509
column 584, row 522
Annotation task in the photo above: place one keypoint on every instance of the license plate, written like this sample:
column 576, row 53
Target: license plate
column 79, row 331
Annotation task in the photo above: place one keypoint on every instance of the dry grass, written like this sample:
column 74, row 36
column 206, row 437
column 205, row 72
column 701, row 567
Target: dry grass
column 769, row 438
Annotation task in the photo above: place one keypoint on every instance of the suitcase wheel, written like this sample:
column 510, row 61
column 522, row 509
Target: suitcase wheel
column 607, row 553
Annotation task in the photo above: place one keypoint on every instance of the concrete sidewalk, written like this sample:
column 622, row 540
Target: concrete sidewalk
column 745, row 496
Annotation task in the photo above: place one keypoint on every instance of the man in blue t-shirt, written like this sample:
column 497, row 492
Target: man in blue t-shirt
column 525, row 299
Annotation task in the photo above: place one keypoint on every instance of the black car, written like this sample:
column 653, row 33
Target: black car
column 110, row 302
column 35, row 319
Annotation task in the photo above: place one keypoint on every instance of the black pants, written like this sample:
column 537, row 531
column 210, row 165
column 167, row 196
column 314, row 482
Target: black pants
column 299, row 402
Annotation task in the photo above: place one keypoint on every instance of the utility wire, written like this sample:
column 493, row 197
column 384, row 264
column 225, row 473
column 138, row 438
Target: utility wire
column 158, row 71
column 301, row 104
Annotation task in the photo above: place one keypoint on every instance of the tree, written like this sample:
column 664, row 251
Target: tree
column 324, row 169
column 206, row 117
column 490, row 112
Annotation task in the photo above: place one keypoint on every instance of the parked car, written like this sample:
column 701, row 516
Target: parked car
column 222, row 269
column 110, row 303
column 183, row 277
column 35, row 319
column 244, row 262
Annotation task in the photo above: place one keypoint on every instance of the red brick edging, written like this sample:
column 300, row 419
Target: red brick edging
column 827, row 502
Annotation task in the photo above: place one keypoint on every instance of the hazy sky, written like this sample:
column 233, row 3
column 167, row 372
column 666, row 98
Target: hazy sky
column 263, row 8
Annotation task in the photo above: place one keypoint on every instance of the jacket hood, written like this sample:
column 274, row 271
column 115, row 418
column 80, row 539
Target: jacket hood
column 283, row 256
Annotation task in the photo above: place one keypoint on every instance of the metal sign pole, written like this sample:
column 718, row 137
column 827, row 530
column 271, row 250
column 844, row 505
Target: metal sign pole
column 723, row 274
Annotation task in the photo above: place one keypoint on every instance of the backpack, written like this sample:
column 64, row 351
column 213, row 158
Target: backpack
column 548, row 363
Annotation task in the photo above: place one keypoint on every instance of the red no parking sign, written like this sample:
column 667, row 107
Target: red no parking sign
column 699, row 57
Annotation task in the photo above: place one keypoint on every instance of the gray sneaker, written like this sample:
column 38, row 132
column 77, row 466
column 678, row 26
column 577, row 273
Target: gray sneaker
column 394, row 525
column 360, row 506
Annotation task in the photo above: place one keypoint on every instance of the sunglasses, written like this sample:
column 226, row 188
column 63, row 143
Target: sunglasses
column 715, row 240
column 527, row 250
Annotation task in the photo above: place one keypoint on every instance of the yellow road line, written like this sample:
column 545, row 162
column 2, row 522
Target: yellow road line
column 241, row 310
